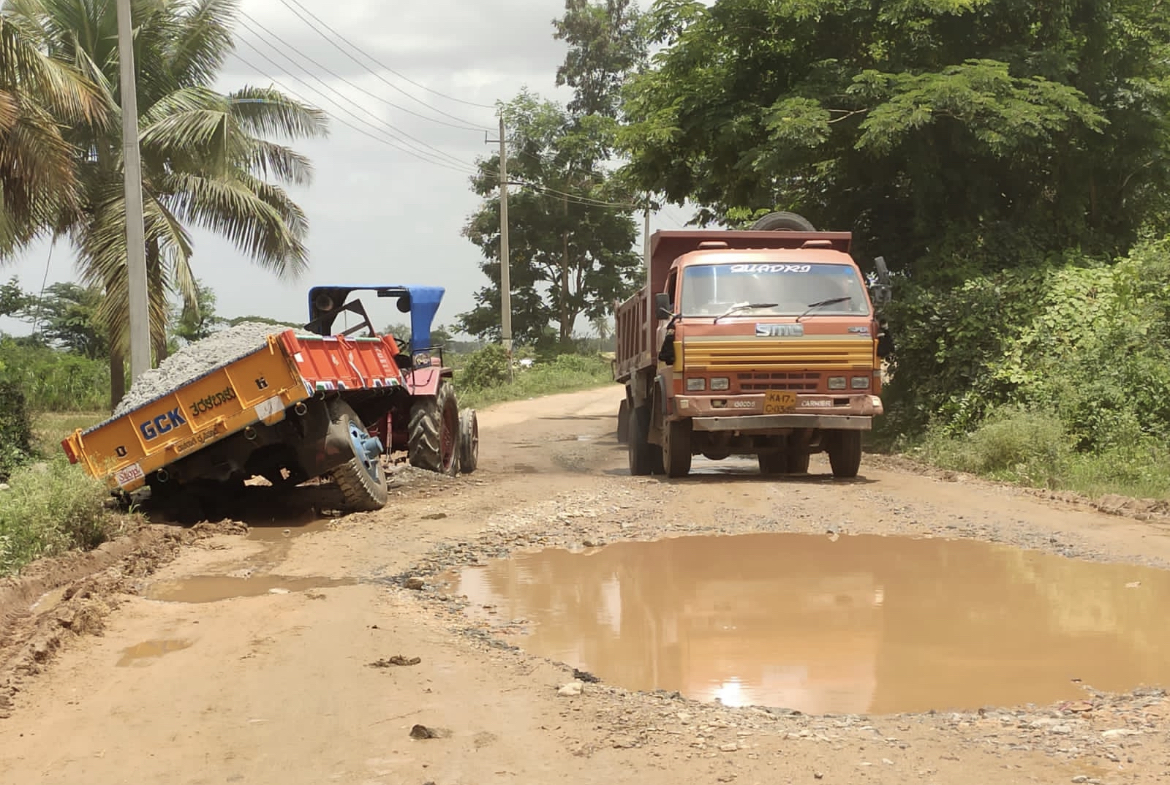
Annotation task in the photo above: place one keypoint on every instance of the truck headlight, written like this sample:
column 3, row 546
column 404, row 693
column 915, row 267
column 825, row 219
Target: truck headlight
column 860, row 382
column 696, row 385
column 836, row 382
column 720, row 383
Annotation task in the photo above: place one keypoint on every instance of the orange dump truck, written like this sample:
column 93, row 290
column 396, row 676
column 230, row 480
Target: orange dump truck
column 760, row 342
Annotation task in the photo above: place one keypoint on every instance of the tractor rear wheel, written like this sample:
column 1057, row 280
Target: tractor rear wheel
column 433, row 433
column 361, row 479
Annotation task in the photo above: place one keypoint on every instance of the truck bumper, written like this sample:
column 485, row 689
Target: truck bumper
column 770, row 423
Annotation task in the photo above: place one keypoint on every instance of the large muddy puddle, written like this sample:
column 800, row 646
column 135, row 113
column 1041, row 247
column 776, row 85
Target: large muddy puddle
column 837, row 625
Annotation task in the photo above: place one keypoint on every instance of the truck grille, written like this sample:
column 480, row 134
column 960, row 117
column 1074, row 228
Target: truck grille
column 796, row 382
column 778, row 355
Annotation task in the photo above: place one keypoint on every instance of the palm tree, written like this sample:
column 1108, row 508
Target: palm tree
column 207, row 160
column 37, row 175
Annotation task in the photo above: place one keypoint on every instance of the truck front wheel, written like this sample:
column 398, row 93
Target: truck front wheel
column 676, row 448
column 844, row 450
column 361, row 479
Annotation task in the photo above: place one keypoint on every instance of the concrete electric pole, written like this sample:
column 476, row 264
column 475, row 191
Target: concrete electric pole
column 505, row 264
column 135, row 230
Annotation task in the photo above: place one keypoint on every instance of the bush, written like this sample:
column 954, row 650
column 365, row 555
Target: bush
column 48, row 509
column 15, row 429
column 52, row 380
column 485, row 368
column 1011, row 444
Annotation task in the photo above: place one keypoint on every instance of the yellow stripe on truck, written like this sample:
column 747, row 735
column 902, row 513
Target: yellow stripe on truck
column 715, row 355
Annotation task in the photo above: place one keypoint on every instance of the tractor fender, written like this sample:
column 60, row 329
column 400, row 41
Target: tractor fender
column 425, row 381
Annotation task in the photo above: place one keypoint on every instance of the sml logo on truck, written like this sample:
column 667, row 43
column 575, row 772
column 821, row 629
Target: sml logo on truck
column 152, row 429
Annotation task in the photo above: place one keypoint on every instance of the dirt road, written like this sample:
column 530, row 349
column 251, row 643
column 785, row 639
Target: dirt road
column 252, row 658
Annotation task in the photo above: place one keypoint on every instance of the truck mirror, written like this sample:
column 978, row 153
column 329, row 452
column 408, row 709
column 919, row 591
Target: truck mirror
column 403, row 303
column 662, row 305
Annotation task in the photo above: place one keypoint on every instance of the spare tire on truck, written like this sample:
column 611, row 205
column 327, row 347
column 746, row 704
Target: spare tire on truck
column 783, row 222
column 361, row 479
column 433, row 433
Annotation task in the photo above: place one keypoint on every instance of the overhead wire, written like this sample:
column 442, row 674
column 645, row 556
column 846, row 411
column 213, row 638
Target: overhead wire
column 380, row 64
column 386, row 140
column 326, row 92
column 464, row 126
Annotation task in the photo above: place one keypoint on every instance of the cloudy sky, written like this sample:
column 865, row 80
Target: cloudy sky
column 391, row 189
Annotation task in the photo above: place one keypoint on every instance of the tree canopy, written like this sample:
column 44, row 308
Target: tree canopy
column 951, row 136
column 571, row 234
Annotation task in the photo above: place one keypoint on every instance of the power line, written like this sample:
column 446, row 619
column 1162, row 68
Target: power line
column 380, row 64
column 265, row 31
column 588, row 201
column 380, row 139
column 394, row 131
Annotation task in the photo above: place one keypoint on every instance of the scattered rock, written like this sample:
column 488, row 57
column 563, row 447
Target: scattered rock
column 423, row 732
column 1080, row 778
column 397, row 659
column 1117, row 733
column 585, row 676
column 414, row 584
column 572, row 689
column 728, row 747
column 818, row 775
column 434, row 516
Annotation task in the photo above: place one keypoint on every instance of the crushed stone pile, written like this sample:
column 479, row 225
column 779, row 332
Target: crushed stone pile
column 191, row 362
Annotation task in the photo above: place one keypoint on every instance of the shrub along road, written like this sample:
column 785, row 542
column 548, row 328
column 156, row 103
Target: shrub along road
column 248, row 658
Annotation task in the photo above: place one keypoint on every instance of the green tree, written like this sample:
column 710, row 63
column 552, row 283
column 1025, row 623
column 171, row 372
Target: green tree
column 66, row 317
column 607, row 42
column 571, row 234
column 207, row 159
column 194, row 321
column 952, row 136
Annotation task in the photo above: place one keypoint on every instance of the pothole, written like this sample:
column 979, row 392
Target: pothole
column 215, row 588
column 834, row 625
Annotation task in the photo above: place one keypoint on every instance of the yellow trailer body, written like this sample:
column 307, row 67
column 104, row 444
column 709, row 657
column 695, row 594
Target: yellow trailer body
column 255, row 388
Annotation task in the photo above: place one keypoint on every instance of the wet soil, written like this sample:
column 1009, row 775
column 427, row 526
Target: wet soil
column 835, row 625
column 278, row 686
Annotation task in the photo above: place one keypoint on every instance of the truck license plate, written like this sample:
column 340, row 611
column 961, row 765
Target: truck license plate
column 779, row 401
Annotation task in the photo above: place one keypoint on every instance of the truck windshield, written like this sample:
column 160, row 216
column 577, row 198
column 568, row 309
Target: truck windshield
column 712, row 289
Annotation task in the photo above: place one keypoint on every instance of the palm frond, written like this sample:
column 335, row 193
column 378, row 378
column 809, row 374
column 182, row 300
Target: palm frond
column 203, row 41
column 278, row 162
column 247, row 214
column 266, row 111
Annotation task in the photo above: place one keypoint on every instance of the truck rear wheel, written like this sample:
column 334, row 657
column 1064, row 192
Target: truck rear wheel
column 623, row 421
column 797, row 461
column 433, row 432
column 676, row 448
column 773, row 462
column 644, row 457
column 468, row 441
column 361, row 479
column 844, row 450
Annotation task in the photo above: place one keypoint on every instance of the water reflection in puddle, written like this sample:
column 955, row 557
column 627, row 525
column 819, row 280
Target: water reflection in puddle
column 214, row 588
column 857, row 625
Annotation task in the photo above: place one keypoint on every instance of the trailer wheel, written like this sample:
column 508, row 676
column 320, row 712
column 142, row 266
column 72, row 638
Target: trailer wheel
column 361, row 479
column 623, row 421
column 796, row 461
column 434, row 432
column 468, row 441
column 844, row 450
column 783, row 222
column 773, row 462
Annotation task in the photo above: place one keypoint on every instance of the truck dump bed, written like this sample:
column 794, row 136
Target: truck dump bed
column 255, row 388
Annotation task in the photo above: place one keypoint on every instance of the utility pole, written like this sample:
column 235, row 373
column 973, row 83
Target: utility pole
column 505, row 264
column 652, row 322
column 132, row 173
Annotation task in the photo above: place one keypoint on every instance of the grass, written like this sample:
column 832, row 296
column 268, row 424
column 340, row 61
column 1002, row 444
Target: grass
column 1032, row 449
column 567, row 373
column 50, row 508
column 49, row 428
